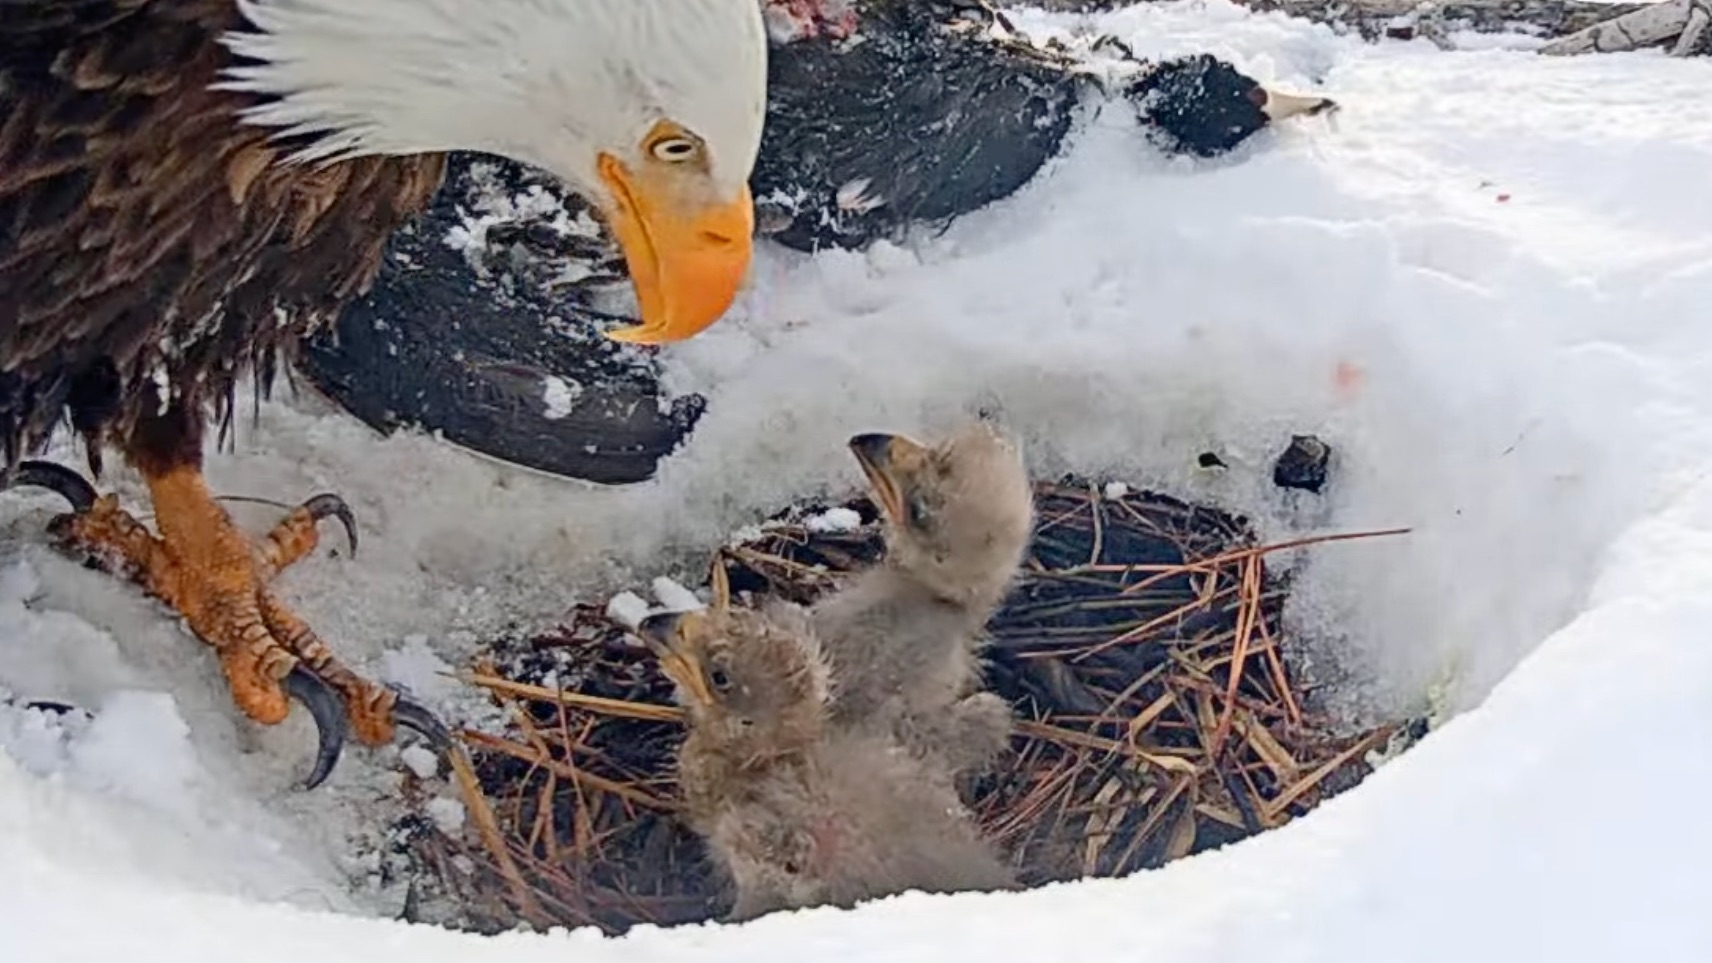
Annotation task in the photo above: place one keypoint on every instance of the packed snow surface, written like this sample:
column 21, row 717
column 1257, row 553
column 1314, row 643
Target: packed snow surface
column 1484, row 282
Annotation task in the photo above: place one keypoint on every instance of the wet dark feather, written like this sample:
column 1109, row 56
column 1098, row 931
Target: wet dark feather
column 143, row 228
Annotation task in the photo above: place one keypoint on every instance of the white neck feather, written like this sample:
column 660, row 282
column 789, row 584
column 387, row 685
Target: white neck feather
column 547, row 82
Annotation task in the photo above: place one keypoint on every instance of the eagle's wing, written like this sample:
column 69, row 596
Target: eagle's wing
column 143, row 228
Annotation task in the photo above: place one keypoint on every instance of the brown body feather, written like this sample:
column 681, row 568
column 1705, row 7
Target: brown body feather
column 146, row 234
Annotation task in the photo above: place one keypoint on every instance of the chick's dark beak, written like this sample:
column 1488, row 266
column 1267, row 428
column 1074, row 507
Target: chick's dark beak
column 895, row 465
column 665, row 636
column 874, row 453
column 871, row 448
column 658, row 631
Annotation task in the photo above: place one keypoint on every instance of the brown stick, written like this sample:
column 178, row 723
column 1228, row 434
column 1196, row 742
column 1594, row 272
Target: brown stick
column 475, row 801
column 646, row 711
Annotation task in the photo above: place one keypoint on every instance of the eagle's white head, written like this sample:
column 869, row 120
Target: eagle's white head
column 652, row 108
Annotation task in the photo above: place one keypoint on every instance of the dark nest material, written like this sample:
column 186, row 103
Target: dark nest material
column 1142, row 649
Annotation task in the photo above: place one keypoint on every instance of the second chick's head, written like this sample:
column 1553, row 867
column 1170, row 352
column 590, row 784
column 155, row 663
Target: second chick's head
column 959, row 514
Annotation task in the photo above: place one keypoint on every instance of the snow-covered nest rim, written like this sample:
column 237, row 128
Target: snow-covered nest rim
column 1137, row 741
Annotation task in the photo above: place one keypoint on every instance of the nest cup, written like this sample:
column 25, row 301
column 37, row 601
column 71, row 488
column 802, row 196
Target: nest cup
column 1141, row 648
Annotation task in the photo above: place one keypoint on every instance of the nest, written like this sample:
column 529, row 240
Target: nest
column 1142, row 650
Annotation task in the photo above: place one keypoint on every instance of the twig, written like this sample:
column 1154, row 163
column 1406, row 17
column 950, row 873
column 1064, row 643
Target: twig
column 525, row 754
column 1073, row 738
column 1276, row 806
column 647, row 712
column 1247, row 615
column 475, row 802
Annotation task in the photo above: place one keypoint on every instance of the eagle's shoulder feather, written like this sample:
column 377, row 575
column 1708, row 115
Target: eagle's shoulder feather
column 144, row 228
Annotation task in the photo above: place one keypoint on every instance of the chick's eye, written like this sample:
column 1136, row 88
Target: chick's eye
column 917, row 511
column 719, row 680
column 673, row 150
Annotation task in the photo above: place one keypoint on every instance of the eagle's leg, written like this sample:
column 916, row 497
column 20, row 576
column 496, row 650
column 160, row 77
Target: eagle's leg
column 201, row 567
column 211, row 574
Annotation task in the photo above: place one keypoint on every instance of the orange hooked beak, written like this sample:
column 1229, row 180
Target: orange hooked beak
column 686, row 258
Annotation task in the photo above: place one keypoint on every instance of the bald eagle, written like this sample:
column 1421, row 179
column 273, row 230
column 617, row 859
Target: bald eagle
column 187, row 187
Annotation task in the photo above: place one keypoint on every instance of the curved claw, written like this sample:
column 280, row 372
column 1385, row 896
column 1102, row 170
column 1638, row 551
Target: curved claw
column 329, row 505
column 58, row 479
column 414, row 716
column 329, row 715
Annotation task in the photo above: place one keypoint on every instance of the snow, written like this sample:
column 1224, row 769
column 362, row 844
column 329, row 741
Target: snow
column 627, row 608
column 560, row 396
column 674, row 597
column 446, row 812
column 1526, row 383
column 834, row 520
column 421, row 761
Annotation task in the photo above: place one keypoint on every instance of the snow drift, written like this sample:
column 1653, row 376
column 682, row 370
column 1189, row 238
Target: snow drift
column 1483, row 282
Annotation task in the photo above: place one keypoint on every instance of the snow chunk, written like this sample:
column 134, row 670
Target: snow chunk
column 560, row 395
column 834, row 520
column 674, row 597
column 447, row 813
column 420, row 761
column 1116, row 490
column 627, row 609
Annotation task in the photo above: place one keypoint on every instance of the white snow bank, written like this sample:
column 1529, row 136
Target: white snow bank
column 1483, row 282
column 1559, row 821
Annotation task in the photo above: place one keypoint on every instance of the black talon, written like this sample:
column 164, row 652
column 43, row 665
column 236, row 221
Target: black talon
column 58, row 479
column 414, row 716
column 329, row 715
column 329, row 505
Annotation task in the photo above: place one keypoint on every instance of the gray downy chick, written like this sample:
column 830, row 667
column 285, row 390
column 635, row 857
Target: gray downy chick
column 905, row 636
column 797, row 813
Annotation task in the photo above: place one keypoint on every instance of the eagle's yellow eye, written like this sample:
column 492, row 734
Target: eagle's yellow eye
column 673, row 150
column 672, row 144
